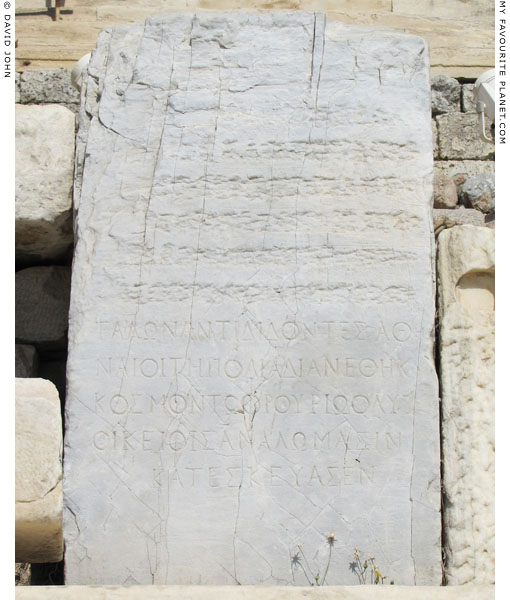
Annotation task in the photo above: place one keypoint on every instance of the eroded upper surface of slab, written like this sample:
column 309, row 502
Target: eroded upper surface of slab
column 250, row 359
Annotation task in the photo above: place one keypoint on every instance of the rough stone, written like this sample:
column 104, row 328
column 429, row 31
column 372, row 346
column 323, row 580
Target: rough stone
column 467, row 100
column 459, row 139
column 38, row 472
column 251, row 332
column 22, row 574
column 52, row 86
column 445, row 192
column 26, row 361
column 44, row 180
column 42, row 307
column 207, row 592
column 445, row 218
column 460, row 170
column 445, row 94
column 466, row 350
column 435, row 139
column 478, row 192
column 17, row 87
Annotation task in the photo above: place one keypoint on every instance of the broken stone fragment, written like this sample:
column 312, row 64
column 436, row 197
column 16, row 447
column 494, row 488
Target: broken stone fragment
column 44, row 182
column 42, row 306
column 38, row 472
column 445, row 191
column 445, row 94
column 468, row 104
column 478, row 192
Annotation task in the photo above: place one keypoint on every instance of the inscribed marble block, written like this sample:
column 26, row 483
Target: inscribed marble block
column 252, row 313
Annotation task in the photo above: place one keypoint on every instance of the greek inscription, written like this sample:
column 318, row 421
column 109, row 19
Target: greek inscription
column 248, row 331
column 297, row 476
column 176, row 441
column 282, row 404
column 236, row 368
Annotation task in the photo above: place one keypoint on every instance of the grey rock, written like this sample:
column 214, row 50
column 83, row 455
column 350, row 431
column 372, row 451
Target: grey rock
column 478, row 192
column 445, row 94
column 52, row 86
column 467, row 101
column 458, row 138
column 17, row 87
column 42, row 307
column 445, row 191
column 26, row 361
column 445, row 218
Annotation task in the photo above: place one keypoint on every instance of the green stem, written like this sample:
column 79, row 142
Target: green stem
column 303, row 555
column 327, row 566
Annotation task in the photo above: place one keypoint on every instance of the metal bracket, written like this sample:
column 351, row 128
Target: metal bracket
column 480, row 109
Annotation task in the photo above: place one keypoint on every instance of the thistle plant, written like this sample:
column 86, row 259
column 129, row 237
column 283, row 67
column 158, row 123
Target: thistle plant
column 366, row 570
column 299, row 559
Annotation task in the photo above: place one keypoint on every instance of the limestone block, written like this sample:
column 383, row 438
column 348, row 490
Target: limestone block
column 466, row 349
column 445, row 191
column 26, row 361
column 252, row 323
column 445, row 94
column 42, row 307
column 207, row 592
column 51, row 86
column 478, row 192
column 459, row 139
column 460, row 170
column 44, row 180
column 448, row 217
column 38, row 472
column 467, row 100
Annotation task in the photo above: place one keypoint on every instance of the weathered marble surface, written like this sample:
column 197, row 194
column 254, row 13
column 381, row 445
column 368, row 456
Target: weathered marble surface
column 38, row 472
column 466, row 313
column 44, row 181
column 252, row 312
